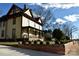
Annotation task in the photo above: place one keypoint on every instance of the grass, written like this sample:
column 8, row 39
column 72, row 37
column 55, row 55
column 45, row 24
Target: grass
column 8, row 43
column 12, row 44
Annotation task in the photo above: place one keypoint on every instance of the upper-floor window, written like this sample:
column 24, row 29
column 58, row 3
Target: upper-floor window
column 14, row 33
column 11, row 12
column 2, row 33
column 14, row 20
column 3, row 23
column 14, row 10
column 17, row 10
column 0, row 24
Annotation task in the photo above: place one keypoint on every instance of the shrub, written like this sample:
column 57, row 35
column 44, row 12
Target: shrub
column 58, row 35
column 29, row 42
column 67, row 37
column 41, row 42
column 47, row 42
column 35, row 42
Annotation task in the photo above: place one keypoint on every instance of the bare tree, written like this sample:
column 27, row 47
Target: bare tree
column 45, row 13
column 69, row 28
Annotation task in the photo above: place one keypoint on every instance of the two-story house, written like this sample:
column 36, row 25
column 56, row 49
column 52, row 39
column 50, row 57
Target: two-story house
column 19, row 23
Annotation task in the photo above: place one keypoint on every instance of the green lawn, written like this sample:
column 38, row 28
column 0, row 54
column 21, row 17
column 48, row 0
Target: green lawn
column 9, row 43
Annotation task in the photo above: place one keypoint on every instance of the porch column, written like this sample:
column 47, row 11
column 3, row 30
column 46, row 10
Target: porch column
column 28, row 33
column 39, row 33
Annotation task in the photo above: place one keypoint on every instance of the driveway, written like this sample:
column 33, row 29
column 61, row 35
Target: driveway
column 12, row 51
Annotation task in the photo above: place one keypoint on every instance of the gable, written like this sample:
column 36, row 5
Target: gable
column 11, row 12
column 39, row 21
column 14, row 9
column 28, row 12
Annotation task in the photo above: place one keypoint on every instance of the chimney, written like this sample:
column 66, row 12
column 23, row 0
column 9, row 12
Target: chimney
column 24, row 6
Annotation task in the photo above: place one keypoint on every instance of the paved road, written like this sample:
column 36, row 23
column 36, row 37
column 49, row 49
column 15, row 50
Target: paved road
column 12, row 51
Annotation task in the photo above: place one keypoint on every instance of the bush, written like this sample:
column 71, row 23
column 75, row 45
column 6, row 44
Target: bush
column 67, row 37
column 48, row 39
column 41, row 42
column 35, row 42
column 48, row 35
column 47, row 43
column 58, row 35
column 29, row 42
column 56, row 42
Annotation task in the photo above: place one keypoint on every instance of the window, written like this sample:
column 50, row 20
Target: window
column 17, row 10
column 11, row 12
column 2, row 33
column 3, row 23
column 14, row 20
column 36, row 32
column 14, row 10
column 31, row 31
column 0, row 24
column 14, row 33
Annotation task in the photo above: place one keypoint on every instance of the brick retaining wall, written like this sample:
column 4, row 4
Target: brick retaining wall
column 46, row 48
column 59, row 49
column 70, row 46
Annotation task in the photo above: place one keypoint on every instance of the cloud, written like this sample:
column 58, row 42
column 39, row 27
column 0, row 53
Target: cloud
column 59, row 5
column 59, row 21
column 65, row 5
column 72, row 18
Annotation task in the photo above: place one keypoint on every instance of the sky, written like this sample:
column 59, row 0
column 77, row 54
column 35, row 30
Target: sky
column 63, row 12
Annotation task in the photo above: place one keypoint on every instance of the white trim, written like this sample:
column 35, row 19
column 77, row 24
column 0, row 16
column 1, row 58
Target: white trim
column 28, row 12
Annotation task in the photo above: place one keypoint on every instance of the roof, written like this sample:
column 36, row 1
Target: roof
column 7, row 16
column 13, row 6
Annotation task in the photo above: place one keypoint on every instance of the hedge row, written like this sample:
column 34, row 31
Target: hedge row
column 38, row 42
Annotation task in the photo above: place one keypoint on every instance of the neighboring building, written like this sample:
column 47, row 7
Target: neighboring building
column 19, row 23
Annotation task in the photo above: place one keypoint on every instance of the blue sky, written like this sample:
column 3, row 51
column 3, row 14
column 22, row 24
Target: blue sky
column 4, row 7
column 62, row 12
